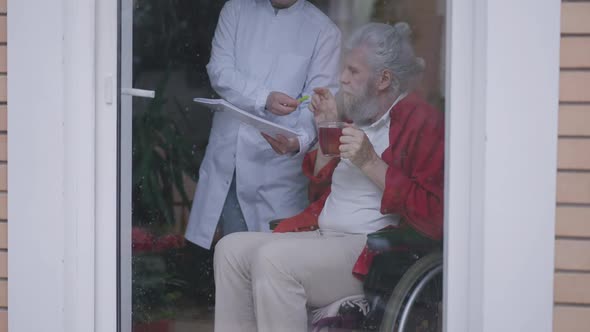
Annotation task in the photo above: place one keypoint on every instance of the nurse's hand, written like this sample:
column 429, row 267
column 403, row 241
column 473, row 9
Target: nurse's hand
column 281, row 144
column 280, row 104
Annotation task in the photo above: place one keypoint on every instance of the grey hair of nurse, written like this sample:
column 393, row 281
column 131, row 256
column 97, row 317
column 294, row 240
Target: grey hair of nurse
column 390, row 48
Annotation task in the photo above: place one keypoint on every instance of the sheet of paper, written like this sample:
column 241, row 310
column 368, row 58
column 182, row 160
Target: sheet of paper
column 259, row 123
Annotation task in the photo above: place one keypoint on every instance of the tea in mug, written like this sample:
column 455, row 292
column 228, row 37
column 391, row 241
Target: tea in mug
column 329, row 136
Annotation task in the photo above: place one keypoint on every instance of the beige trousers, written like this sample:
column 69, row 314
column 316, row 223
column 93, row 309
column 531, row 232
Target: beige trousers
column 265, row 282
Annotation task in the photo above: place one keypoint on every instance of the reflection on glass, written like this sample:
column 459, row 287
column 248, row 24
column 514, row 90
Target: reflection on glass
column 172, row 279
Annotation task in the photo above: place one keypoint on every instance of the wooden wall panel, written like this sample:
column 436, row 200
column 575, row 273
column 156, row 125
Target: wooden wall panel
column 3, row 118
column 575, row 52
column 3, row 264
column 3, row 177
column 572, row 255
column 3, row 85
column 3, row 147
column 573, row 187
column 3, row 293
column 573, row 221
column 3, row 34
column 571, row 318
column 3, row 206
column 574, row 120
column 3, row 170
column 3, row 321
column 572, row 288
column 3, row 235
column 573, row 86
column 574, row 18
column 3, row 61
column 571, row 153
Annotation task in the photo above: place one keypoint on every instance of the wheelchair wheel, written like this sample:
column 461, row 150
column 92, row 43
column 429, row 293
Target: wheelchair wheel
column 424, row 272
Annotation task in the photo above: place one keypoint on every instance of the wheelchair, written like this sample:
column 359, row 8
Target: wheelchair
column 403, row 285
column 421, row 285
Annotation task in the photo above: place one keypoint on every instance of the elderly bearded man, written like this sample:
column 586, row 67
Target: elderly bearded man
column 390, row 174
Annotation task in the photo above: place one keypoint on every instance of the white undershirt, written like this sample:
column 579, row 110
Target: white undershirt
column 354, row 203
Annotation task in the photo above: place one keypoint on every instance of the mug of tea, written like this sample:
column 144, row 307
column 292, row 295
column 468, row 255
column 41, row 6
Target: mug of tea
column 329, row 136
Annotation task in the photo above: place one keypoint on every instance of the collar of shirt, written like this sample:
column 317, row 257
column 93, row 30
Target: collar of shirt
column 384, row 120
column 295, row 7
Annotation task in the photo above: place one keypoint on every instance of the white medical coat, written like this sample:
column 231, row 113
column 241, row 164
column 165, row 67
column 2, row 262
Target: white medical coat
column 257, row 50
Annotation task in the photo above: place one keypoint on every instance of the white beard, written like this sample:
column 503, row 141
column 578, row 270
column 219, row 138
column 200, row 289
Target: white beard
column 361, row 109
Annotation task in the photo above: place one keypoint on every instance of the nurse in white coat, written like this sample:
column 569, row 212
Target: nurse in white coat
column 265, row 53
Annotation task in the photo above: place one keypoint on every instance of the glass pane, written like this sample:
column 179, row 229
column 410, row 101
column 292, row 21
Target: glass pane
column 171, row 278
column 172, row 281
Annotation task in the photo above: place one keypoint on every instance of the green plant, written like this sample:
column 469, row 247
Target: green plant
column 162, row 157
column 171, row 38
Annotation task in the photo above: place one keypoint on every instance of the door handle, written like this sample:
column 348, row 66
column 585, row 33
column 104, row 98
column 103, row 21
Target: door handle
column 138, row 92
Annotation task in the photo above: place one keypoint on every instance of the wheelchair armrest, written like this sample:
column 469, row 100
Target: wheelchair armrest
column 391, row 238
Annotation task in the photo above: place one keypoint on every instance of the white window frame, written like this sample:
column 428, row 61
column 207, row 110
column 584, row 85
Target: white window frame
column 502, row 88
column 503, row 74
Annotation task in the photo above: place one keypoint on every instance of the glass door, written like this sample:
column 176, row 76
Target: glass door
column 166, row 282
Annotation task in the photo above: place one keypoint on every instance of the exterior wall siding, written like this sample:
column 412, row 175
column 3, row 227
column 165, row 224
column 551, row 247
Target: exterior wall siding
column 3, row 174
column 572, row 247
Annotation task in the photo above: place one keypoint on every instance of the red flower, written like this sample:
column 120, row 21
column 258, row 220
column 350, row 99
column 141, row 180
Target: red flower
column 141, row 240
column 170, row 241
column 144, row 241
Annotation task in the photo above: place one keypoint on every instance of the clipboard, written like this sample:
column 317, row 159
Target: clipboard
column 263, row 125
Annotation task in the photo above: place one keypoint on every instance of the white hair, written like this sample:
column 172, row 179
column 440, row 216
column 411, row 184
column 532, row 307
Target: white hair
column 390, row 48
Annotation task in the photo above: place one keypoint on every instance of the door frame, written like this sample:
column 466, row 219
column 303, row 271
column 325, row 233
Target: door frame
column 502, row 83
column 503, row 88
